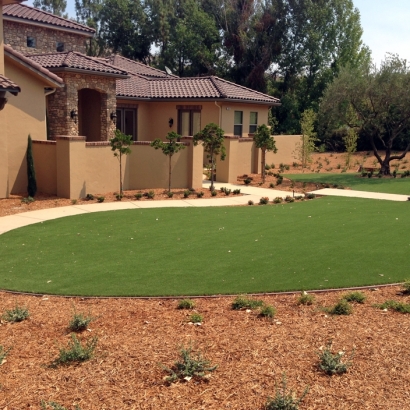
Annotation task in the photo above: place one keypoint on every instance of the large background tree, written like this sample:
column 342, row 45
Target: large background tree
column 56, row 7
column 376, row 102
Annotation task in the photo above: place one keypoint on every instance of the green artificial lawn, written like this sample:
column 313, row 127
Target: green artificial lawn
column 324, row 243
column 355, row 181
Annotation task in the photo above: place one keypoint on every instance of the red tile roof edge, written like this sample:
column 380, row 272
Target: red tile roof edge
column 7, row 85
column 119, row 72
column 12, row 11
column 33, row 65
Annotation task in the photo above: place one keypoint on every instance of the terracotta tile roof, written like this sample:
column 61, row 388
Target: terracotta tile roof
column 73, row 61
column 8, row 85
column 15, row 55
column 189, row 88
column 135, row 67
column 36, row 16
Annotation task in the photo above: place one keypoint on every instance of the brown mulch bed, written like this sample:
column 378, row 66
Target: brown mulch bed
column 136, row 336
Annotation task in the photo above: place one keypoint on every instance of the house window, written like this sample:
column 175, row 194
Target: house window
column 127, row 122
column 238, row 122
column 253, row 122
column 31, row 42
column 189, row 120
column 60, row 46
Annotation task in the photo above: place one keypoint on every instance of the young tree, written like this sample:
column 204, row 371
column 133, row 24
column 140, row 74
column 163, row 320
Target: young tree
column 306, row 145
column 31, row 173
column 169, row 148
column 350, row 141
column 380, row 100
column 264, row 140
column 120, row 144
column 212, row 138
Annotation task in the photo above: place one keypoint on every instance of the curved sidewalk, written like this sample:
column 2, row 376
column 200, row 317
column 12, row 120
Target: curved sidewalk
column 8, row 223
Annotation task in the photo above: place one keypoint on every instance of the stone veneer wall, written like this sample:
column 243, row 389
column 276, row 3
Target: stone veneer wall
column 15, row 34
column 64, row 100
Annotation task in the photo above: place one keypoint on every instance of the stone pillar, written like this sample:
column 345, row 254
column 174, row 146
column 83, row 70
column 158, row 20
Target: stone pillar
column 71, row 167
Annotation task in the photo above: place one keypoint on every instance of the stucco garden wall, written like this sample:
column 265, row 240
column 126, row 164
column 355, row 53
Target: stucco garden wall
column 71, row 168
column 46, row 39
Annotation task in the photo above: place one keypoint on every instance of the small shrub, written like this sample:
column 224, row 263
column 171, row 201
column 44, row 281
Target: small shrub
column 247, row 181
column 267, row 167
column 187, row 192
column 358, row 297
column 151, row 195
column 170, row 194
column 283, row 399
column 306, row 299
column 264, row 200
column 295, row 165
column 394, row 174
column 191, row 365
column 227, row 191
column 214, row 193
column 331, row 363
column 76, row 352
column 199, row 194
column 54, row 406
column 18, row 314
column 341, row 308
column 28, row 200
column 101, row 199
column 406, row 286
column 89, row 197
column 289, row 199
column 310, row 196
column 79, row 322
column 277, row 200
column 3, row 354
column 271, row 185
column 196, row 318
column 250, row 202
column 119, row 196
column 236, row 191
column 272, row 165
column 287, row 167
column 279, row 180
column 222, row 189
column 338, row 166
column 138, row 196
column 243, row 302
column 270, row 173
column 267, row 311
column 397, row 306
column 74, row 201
column 186, row 304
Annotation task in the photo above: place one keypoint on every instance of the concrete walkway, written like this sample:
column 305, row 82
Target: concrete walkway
column 7, row 223
column 361, row 194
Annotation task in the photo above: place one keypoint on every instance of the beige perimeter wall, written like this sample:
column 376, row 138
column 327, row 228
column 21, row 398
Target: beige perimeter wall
column 72, row 168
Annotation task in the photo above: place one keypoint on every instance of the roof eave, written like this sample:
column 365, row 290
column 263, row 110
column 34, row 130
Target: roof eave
column 84, row 71
column 49, row 26
column 50, row 81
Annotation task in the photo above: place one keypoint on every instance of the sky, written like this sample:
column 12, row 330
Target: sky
column 385, row 23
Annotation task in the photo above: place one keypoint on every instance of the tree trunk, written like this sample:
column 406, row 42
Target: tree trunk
column 169, row 174
column 385, row 165
column 120, row 175
column 212, row 170
column 263, row 165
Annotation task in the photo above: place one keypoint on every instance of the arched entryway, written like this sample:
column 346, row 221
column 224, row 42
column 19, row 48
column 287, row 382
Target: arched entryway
column 89, row 114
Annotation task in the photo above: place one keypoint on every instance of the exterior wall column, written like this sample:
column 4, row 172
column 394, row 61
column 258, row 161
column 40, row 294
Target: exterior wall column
column 227, row 170
column 71, row 163
column 195, row 166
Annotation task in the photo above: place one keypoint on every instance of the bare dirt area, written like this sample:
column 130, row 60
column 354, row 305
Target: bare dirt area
column 136, row 337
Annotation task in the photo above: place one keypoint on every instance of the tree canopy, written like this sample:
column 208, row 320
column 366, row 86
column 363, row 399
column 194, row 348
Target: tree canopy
column 375, row 102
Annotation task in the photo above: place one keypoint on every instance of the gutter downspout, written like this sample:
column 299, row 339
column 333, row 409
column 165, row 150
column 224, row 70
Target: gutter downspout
column 220, row 114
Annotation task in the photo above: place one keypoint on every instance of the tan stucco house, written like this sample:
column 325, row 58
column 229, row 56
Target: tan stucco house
column 71, row 104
